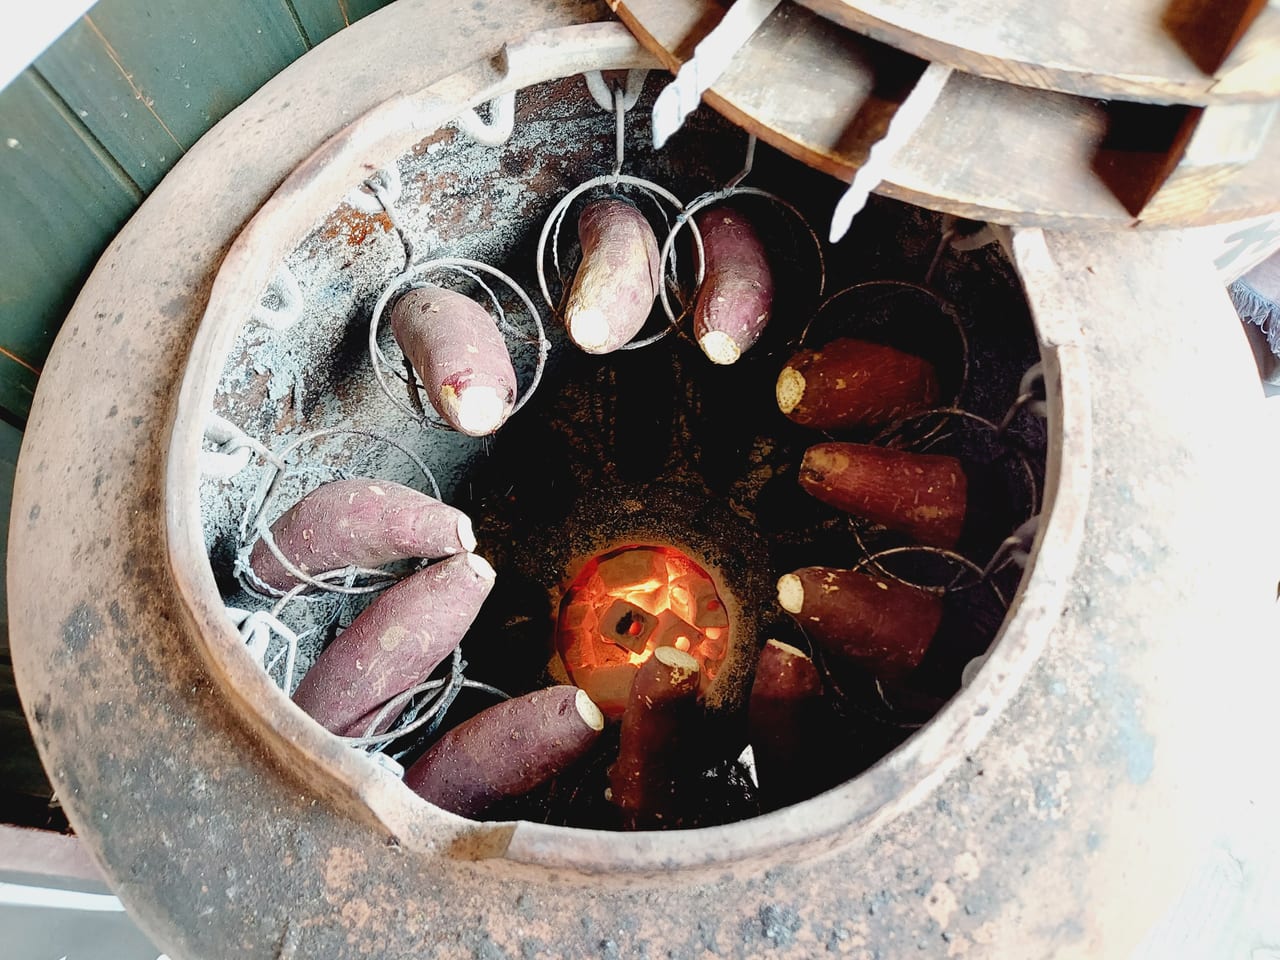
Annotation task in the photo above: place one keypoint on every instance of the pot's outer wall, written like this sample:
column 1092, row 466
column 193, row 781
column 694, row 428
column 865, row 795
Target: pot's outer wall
column 1122, row 763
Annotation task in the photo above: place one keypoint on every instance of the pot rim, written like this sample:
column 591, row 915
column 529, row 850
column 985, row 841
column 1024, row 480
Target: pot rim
column 890, row 788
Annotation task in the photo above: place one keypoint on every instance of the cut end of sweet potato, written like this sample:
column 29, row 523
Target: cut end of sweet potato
column 589, row 329
column 787, row 648
column 466, row 533
column 720, row 347
column 790, row 389
column 588, row 711
column 681, row 664
column 476, row 411
column 481, row 567
column 791, row 593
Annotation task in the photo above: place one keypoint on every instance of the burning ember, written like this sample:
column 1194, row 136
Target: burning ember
column 628, row 602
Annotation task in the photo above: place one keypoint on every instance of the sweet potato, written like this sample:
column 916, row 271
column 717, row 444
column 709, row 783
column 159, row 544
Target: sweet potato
column 853, row 383
column 363, row 523
column 881, row 623
column 660, row 712
column 395, row 642
column 460, row 357
column 617, row 280
column 736, row 296
column 506, row 750
column 790, row 722
column 920, row 494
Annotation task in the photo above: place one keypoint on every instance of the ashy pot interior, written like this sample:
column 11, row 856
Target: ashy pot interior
column 626, row 429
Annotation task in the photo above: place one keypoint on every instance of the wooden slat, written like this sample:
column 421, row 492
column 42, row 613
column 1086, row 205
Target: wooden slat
column 1172, row 163
column 22, row 778
column 1163, row 51
column 989, row 150
column 10, row 441
column 324, row 18
column 63, row 201
column 185, row 64
column 110, row 104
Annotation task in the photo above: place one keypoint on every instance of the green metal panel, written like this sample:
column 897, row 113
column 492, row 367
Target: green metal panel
column 10, row 441
column 324, row 18
column 107, row 101
column 151, row 76
column 64, row 199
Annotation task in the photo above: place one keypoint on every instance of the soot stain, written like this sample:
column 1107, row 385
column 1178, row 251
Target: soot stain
column 80, row 628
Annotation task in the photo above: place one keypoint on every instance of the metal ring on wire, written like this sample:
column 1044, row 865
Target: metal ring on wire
column 950, row 556
column 433, row 708
column 252, row 522
column 932, row 437
column 411, row 279
column 902, row 286
column 930, row 440
column 717, row 196
column 551, row 229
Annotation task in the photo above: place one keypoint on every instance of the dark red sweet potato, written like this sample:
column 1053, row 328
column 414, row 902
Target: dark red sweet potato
column 363, row 523
column 460, row 357
column 660, row 713
column 617, row 280
column 506, row 750
column 920, row 494
column 853, row 383
column 879, row 622
column 736, row 296
column 790, row 721
column 395, row 642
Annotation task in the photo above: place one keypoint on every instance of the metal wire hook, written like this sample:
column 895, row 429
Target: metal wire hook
column 620, row 132
column 747, row 164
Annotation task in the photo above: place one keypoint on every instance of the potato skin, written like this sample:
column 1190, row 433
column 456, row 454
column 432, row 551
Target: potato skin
column 395, row 642
column 854, row 383
column 923, row 495
column 616, row 282
column 659, row 722
column 506, row 750
column 790, row 722
column 360, row 522
column 459, row 355
column 881, row 623
column 736, row 298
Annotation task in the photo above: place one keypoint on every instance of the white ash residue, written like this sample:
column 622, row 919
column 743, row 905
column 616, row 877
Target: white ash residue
column 458, row 199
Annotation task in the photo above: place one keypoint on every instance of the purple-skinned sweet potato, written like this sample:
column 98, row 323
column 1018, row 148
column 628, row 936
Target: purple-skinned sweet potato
column 790, row 721
column 924, row 495
column 459, row 355
column 395, row 642
column 363, row 523
column 506, row 750
column 617, row 280
column 853, row 383
column 657, row 727
column 881, row 623
column 736, row 297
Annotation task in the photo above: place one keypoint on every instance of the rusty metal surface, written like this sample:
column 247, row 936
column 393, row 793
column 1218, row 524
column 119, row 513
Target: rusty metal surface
column 1052, row 810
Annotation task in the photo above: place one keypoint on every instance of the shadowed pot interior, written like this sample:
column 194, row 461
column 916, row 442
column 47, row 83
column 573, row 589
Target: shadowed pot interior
column 654, row 450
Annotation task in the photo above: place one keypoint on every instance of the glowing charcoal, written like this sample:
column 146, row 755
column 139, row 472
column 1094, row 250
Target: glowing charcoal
column 628, row 602
column 627, row 625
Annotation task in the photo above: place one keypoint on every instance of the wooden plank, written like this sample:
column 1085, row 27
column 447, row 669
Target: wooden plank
column 1172, row 163
column 988, row 150
column 10, row 441
column 64, row 200
column 187, row 65
column 21, row 775
column 109, row 103
column 324, row 18
column 1153, row 50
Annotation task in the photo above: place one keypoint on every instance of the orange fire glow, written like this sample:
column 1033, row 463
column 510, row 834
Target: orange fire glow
column 628, row 602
